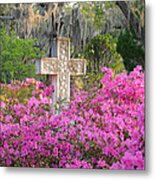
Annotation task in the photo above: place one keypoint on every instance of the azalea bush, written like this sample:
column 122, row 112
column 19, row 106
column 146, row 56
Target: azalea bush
column 103, row 129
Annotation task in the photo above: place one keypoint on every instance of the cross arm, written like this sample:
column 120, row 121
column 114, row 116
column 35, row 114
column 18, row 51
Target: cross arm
column 77, row 66
column 47, row 66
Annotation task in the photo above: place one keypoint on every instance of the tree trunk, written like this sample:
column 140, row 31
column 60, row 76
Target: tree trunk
column 133, row 20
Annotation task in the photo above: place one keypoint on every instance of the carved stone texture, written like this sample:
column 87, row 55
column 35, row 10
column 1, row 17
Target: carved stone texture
column 64, row 80
column 77, row 66
column 62, row 67
column 64, row 86
column 50, row 66
column 63, row 48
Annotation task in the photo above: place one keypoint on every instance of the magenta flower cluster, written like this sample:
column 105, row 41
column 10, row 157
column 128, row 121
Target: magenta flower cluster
column 103, row 129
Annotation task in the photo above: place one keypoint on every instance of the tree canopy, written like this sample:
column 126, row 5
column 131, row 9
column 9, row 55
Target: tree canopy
column 16, row 57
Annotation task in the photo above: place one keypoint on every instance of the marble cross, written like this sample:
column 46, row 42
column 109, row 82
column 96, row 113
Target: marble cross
column 60, row 67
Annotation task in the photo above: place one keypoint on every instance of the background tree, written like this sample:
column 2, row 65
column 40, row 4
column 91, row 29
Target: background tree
column 101, row 51
column 131, row 50
column 16, row 57
column 91, row 26
column 134, row 12
column 131, row 42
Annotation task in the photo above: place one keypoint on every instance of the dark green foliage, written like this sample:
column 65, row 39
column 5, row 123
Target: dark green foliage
column 101, row 51
column 131, row 50
column 16, row 57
